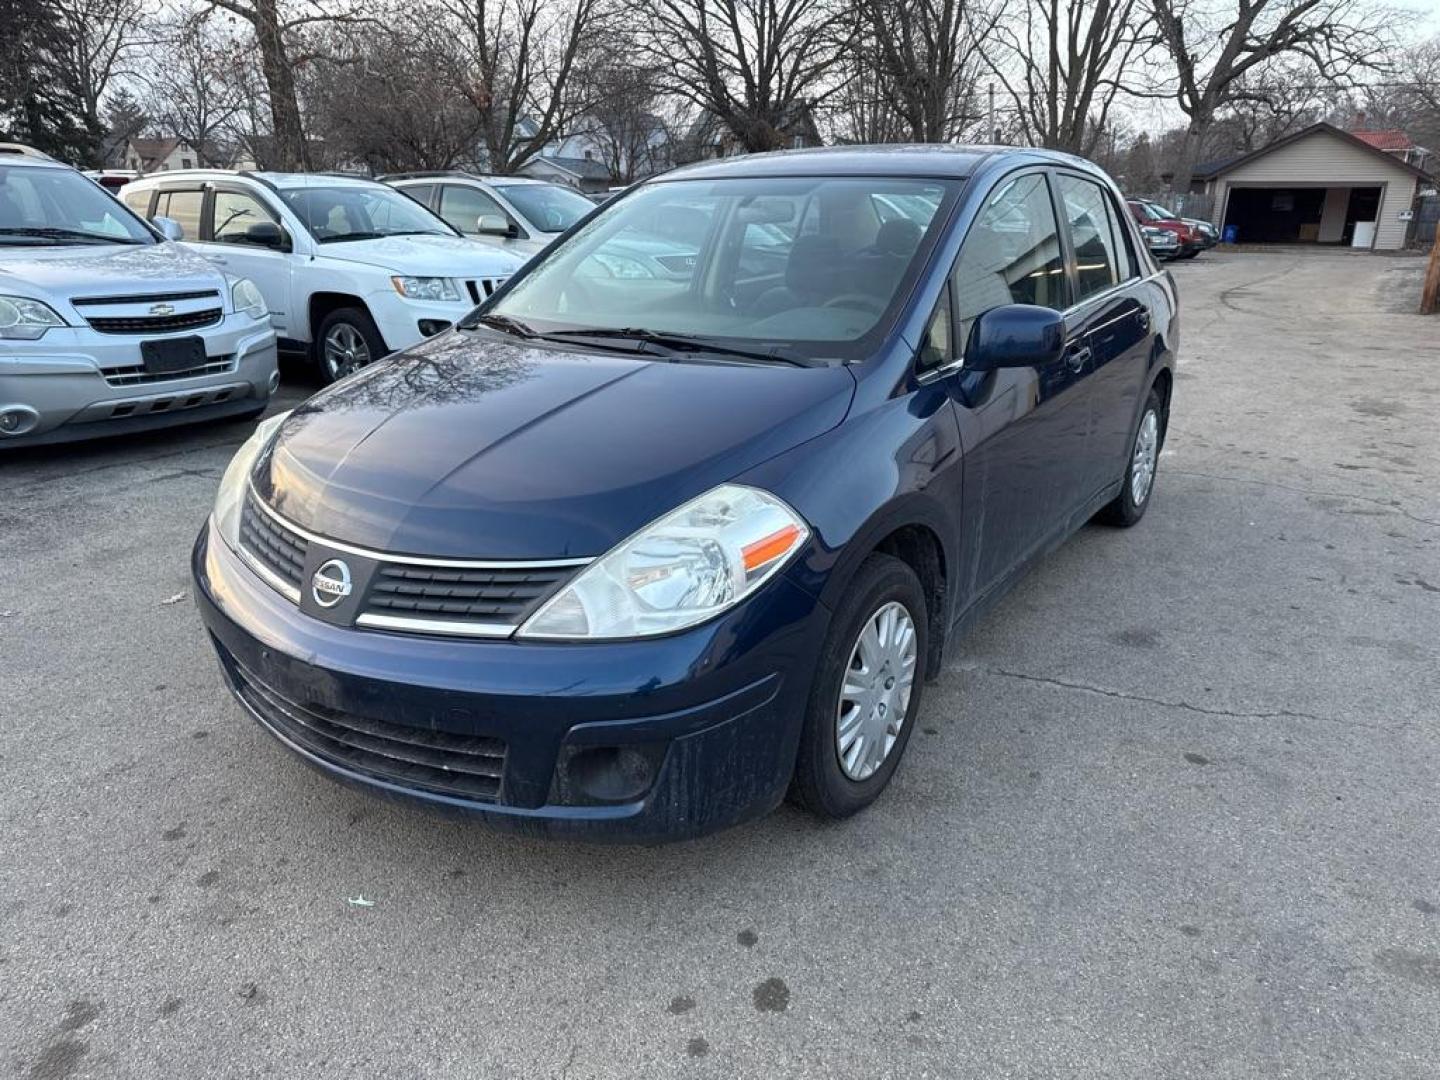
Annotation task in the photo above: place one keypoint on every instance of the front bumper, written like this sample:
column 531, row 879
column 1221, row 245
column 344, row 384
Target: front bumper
column 77, row 385
column 398, row 319
column 716, row 709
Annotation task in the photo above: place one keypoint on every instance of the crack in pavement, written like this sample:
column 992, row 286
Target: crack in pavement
column 1121, row 695
column 1386, row 503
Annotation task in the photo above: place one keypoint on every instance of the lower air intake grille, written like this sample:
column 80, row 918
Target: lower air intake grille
column 470, row 766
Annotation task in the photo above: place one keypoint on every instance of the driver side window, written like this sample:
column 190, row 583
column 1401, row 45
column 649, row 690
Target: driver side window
column 1011, row 254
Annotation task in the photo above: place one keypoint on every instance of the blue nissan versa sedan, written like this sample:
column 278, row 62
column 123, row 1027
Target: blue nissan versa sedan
column 630, row 555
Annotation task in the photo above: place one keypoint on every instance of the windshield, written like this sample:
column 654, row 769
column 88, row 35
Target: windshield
column 338, row 214
column 58, row 206
column 806, row 264
column 549, row 208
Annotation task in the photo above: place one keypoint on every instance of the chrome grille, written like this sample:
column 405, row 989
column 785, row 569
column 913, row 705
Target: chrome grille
column 278, row 549
column 136, row 375
column 154, row 324
column 480, row 288
column 470, row 766
column 490, row 595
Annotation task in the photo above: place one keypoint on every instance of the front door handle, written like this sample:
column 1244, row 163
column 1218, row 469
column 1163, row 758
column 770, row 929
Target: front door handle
column 218, row 259
column 1077, row 355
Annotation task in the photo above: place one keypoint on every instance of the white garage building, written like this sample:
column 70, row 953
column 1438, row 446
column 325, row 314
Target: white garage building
column 1320, row 185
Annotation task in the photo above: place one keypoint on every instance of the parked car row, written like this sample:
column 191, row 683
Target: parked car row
column 1169, row 236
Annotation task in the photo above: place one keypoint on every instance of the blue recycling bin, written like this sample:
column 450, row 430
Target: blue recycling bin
column 1231, row 234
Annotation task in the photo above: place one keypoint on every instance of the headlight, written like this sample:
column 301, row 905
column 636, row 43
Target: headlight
column 231, row 496
column 25, row 320
column 246, row 297
column 426, row 288
column 688, row 566
column 622, row 266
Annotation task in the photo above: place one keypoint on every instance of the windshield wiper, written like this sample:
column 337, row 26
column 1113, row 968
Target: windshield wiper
column 678, row 343
column 79, row 235
column 502, row 322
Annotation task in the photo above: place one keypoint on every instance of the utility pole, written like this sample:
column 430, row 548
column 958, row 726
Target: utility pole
column 990, row 119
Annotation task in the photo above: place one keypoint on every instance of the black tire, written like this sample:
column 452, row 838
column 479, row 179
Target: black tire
column 347, row 324
column 1125, row 510
column 821, row 784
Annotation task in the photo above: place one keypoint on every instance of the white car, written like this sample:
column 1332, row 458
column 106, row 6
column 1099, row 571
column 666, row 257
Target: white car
column 108, row 327
column 351, row 269
column 513, row 213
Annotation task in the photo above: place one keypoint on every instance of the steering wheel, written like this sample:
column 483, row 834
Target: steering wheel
column 856, row 300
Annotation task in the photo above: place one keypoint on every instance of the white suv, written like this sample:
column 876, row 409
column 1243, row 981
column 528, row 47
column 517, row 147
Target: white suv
column 350, row 269
column 513, row 213
column 106, row 326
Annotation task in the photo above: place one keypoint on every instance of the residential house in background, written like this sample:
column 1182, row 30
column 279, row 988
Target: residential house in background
column 1395, row 143
column 582, row 173
column 164, row 153
column 1319, row 185
column 708, row 137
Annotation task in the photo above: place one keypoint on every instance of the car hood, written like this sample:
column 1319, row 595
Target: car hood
column 474, row 446
column 426, row 256
column 56, row 274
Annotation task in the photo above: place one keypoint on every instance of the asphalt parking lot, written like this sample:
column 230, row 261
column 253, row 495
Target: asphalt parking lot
column 1171, row 811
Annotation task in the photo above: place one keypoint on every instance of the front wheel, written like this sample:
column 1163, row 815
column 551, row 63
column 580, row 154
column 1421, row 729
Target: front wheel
column 347, row 340
column 866, row 692
column 1129, row 506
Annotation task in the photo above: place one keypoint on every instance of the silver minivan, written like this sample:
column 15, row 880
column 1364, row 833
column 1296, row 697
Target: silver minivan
column 107, row 326
column 522, row 216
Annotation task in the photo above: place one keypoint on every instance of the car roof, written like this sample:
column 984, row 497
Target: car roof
column 942, row 161
column 277, row 180
column 462, row 175
column 9, row 159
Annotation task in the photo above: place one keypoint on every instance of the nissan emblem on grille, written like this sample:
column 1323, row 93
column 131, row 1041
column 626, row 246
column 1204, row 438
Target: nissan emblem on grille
column 162, row 309
column 331, row 583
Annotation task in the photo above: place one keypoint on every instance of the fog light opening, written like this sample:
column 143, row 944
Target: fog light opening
column 17, row 419
column 431, row 327
column 609, row 774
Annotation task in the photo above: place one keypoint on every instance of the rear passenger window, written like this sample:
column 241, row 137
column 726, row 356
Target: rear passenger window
column 419, row 192
column 1011, row 254
column 1088, row 215
column 183, row 207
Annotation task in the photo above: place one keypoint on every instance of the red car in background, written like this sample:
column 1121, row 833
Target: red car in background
column 1192, row 242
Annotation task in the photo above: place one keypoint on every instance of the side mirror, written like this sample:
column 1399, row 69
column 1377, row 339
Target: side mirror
column 494, row 225
column 266, row 234
column 1016, row 335
column 169, row 228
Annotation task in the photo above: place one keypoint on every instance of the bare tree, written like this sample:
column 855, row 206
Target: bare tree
column 526, row 55
column 624, row 123
column 196, row 85
column 1061, row 64
column 757, row 67
column 1221, row 52
column 927, row 59
column 419, row 109
column 274, row 31
column 102, row 34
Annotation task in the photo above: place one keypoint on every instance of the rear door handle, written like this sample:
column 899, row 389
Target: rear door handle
column 1077, row 355
column 1144, row 321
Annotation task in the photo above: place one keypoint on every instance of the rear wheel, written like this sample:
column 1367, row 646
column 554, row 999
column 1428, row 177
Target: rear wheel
column 346, row 341
column 866, row 692
column 1129, row 506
